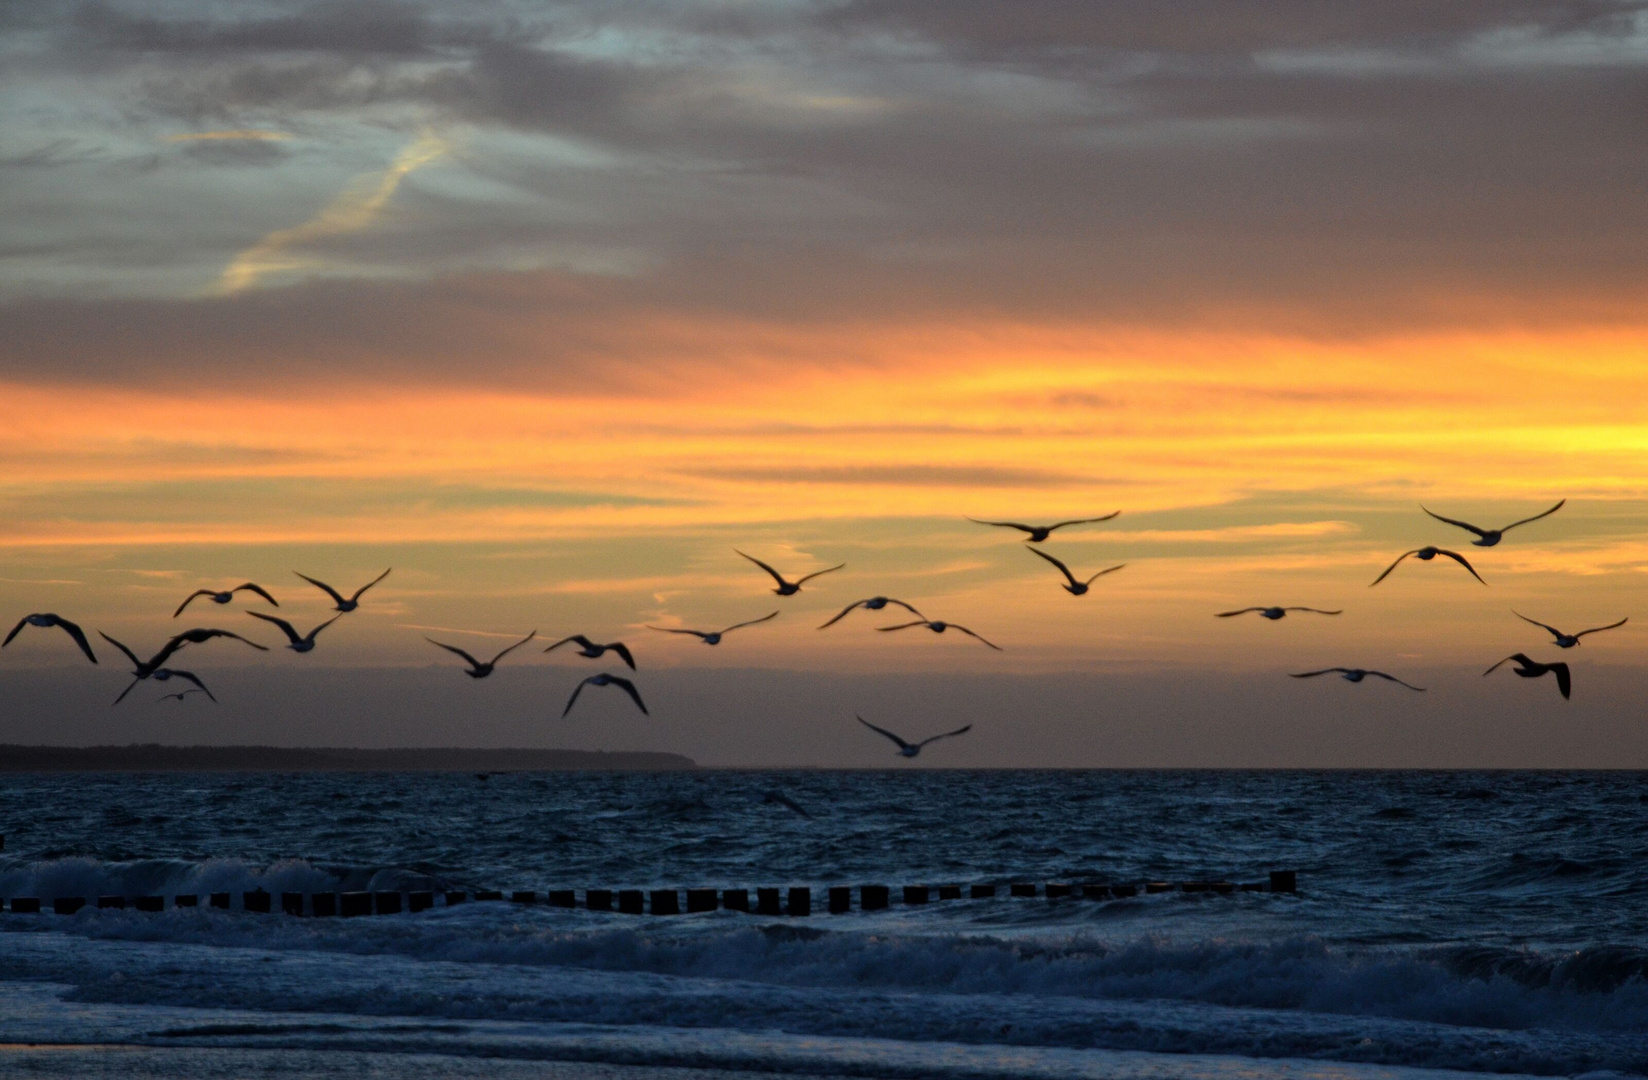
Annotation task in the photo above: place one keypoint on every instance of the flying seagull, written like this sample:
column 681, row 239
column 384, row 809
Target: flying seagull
column 224, row 597
column 478, row 669
column 153, row 669
column 712, row 637
column 595, row 650
column 938, row 626
column 788, row 588
column 1355, row 674
column 1533, row 669
column 47, row 619
column 874, row 603
column 1075, row 588
column 906, row 749
column 1426, row 554
column 297, row 642
column 1274, row 613
column 1490, row 537
column 142, row 669
column 165, row 674
column 344, row 605
column 181, row 694
column 1038, row 533
column 606, row 679
column 202, row 635
column 778, row 798
column 1568, row 641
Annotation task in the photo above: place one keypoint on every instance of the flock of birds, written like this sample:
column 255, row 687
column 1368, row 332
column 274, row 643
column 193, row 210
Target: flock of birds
column 155, row 668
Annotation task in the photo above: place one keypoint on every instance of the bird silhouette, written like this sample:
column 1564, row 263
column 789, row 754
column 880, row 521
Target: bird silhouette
column 47, row 619
column 1426, row 554
column 607, row 679
column 1490, row 537
column 938, row 626
column 1356, row 675
column 181, row 694
column 166, row 674
column 224, row 597
column 1038, row 533
column 1274, row 613
column 595, row 650
column 201, row 635
column 1533, row 669
column 1074, row 588
column 874, row 603
column 153, row 668
column 344, row 605
column 1568, row 641
column 909, row 749
column 299, row 643
column 481, row 669
column 712, row 637
column 142, row 669
column 788, row 588
column 778, row 798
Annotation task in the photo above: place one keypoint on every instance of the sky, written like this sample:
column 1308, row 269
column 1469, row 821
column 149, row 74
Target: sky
column 551, row 307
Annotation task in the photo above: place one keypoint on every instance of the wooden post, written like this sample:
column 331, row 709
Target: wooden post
column 841, row 899
column 598, row 899
column 257, row 900
column 186, row 900
column 801, row 901
column 982, row 892
column 563, row 898
column 150, row 903
column 291, row 903
column 1021, row 890
column 766, row 902
column 631, row 901
column 422, row 900
column 111, row 901
column 25, row 905
column 915, row 894
column 872, row 897
column 1054, row 892
column 666, row 902
column 389, row 903
column 702, row 900
column 351, row 904
column 1095, row 892
column 1284, row 881
column 68, row 905
column 736, row 899
column 324, row 904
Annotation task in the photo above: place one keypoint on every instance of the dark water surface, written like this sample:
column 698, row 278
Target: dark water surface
column 1445, row 920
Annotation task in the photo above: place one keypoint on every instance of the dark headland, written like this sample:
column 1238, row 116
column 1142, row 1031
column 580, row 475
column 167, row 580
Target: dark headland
column 152, row 757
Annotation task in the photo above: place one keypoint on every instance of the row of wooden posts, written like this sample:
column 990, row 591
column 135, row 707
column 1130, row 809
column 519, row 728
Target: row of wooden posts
column 794, row 901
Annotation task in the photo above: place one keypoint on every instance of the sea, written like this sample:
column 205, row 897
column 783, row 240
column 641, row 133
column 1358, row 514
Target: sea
column 1445, row 923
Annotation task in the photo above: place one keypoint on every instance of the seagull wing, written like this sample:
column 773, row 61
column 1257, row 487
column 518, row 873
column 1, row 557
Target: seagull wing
column 904, row 626
column 1394, row 679
column 129, row 654
column 515, row 646
column 1242, row 611
column 1514, row 656
column 981, row 637
column 190, row 598
column 576, row 690
column 752, row 622
column 24, row 621
column 190, row 676
column 371, row 583
column 124, row 692
column 333, row 593
column 1461, row 524
column 1593, row 629
column 623, row 653
column 1564, row 682
column 629, row 688
column 1313, row 674
column 1082, row 521
column 902, row 745
column 1536, row 517
column 1101, row 573
column 319, row 628
column 816, row 573
column 1462, row 561
column 237, row 637
column 579, row 638
column 1391, row 567
column 1553, row 630
column 79, row 636
column 673, row 630
column 1004, row 524
column 906, row 607
column 775, row 574
column 454, row 649
column 1316, row 610
column 167, row 650
column 259, row 589
column 832, row 622
column 291, row 634
column 946, row 735
column 1063, row 569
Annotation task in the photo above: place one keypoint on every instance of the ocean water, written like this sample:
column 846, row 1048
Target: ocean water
column 1445, row 923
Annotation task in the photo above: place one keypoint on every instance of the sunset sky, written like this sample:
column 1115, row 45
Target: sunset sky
column 552, row 306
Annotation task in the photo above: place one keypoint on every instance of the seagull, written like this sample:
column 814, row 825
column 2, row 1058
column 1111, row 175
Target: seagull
column 477, row 669
column 225, row 597
column 778, row 798
column 874, row 603
column 1426, row 554
column 1355, row 674
column 1533, row 669
column 938, row 626
column 1490, row 537
column 1038, row 533
column 47, row 619
column 143, row 669
column 202, row 635
column 1274, row 613
column 163, row 675
column 344, row 605
column 297, row 643
column 152, row 669
column 1075, row 588
column 1568, row 641
column 594, row 650
column 605, row 679
column 714, row 637
column 180, row 696
column 910, row 750
column 788, row 588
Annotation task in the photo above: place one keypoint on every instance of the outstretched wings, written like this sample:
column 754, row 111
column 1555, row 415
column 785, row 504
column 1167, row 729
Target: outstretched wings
column 1459, row 524
column 1242, row 611
column 336, row 596
column 515, row 646
column 285, row 626
column 256, row 588
column 946, row 735
column 368, row 585
column 1581, row 634
column 1462, row 561
column 816, row 573
column 776, row 576
column 1393, row 566
column 1536, row 517
column 971, row 634
column 902, row 745
column 1394, row 679
column 1063, row 569
column 752, row 622
column 454, row 649
column 191, row 598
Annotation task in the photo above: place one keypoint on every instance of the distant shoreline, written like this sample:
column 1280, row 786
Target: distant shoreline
column 152, row 757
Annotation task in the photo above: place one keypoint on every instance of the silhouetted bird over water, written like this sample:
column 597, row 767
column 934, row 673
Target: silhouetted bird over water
column 607, row 679
column 47, row 619
column 788, row 588
column 352, row 602
column 712, row 637
column 1490, row 537
column 1426, row 554
column 1533, row 669
column 1568, row 641
column 874, row 603
column 1274, row 613
column 225, row 596
column 595, row 650
column 910, row 749
column 938, row 626
column 1356, row 675
column 479, row 669
column 299, row 643
column 1074, row 588
column 1038, row 533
